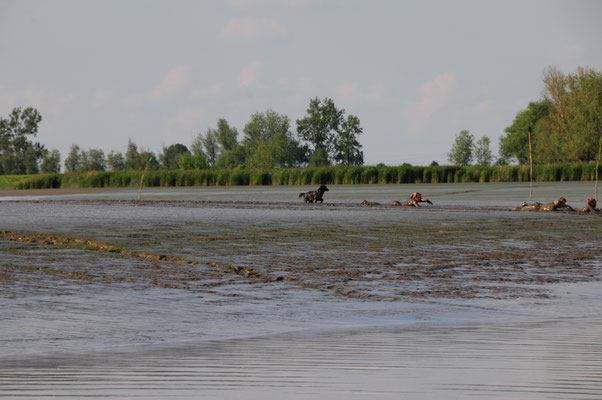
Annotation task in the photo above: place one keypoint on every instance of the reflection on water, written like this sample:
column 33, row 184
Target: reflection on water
column 551, row 359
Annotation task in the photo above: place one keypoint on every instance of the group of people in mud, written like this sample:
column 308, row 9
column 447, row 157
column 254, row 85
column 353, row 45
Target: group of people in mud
column 316, row 196
column 558, row 205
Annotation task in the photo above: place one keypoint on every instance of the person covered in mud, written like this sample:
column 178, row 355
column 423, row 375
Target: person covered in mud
column 528, row 207
column 415, row 198
column 369, row 203
column 557, row 205
column 591, row 206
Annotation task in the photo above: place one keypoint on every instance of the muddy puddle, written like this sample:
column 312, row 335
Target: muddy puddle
column 120, row 291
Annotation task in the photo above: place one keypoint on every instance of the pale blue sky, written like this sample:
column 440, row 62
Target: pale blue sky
column 159, row 72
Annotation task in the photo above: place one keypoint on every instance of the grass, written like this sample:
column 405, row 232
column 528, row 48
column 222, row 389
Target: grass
column 304, row 176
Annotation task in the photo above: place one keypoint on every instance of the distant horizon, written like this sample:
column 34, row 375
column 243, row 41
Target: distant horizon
column 414, row 73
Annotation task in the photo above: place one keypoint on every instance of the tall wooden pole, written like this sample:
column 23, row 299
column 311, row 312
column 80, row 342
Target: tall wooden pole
column 531, row 168
column 598, row 167
column 142, row 178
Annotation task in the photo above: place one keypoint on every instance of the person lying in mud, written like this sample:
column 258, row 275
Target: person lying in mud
column 415, row 198
column 557, row 205
column 591, row 206
column 314, row 196
column 369, row 203
column 528, row 207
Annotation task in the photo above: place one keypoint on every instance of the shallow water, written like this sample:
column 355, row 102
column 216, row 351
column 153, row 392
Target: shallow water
column 461, row 299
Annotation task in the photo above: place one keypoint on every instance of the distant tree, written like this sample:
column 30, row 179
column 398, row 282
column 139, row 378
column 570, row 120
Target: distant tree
column 319, row 158
column 319, row 128
column 571, row 130
column 482, row 151
column 434, row 164
column 18, row 153
column 74, row 159
column 115, row 161
column 226, row 136
column 93, row 160
column 235, row 157
column 210, row 144
column 197, row 161
column 269, row 143
column 462, row 150
column 169, row 157
column 346, row 146
column 515, row 144
column 51, row 162
column 147, row 160
column 132, row 158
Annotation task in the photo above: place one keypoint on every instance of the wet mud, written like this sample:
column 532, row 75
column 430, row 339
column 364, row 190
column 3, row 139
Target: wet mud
column 341, row 250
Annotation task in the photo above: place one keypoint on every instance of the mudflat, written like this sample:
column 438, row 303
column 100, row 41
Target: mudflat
column 323, row 300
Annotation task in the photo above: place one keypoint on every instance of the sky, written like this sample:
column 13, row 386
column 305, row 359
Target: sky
column 415, row 73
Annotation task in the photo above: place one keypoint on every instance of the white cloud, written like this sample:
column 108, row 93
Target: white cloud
column 246, row 29
column 249, row 75
column 349, row 92
column 246, row 5
column 173, row 80
column 433, row 95
column 568, row 52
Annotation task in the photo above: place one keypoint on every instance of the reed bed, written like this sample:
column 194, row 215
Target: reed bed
column 307, row 176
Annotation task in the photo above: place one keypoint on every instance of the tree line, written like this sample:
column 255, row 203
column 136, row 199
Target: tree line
column 565, row 125
column 325, row 136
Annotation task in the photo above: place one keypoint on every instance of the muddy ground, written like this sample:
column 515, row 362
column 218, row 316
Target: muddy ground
column 341, row 250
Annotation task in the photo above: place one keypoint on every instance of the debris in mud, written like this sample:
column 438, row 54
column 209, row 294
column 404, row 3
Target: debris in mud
column 84, row 244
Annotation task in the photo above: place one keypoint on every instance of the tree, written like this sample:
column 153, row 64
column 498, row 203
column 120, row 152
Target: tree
column 169, row 157
column 51, row 162
column 147, row 160
column 197, row 161
column 226, row 136
column 347, row 148
column 269, row 143
column 462, row 150
column 320, row 126
column 211, row 146
column 115, row 161
column 132, row 158
column 74, row 159
column 573, row 126
column 93, row 160
column 515, row 144
column 232, row 158
column 483, row 152
column 18, row 153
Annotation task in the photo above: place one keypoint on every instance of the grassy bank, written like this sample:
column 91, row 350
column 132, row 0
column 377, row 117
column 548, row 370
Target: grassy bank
column 306, row 176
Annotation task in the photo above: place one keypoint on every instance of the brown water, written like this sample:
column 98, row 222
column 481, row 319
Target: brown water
column 275, row 299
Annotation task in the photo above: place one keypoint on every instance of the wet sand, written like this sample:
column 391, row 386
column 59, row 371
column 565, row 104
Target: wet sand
column 447, row 301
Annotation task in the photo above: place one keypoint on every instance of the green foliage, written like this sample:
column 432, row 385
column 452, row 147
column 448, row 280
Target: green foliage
column 515, row 144
column 483, row 152
column 197, row 161
column 309, row 176
column 73, row 160
column 226, row 136
column 18, row 153
column 115, row 161
column 170, row 157
column 346, row 146
column 462, row 150
column 566, row 123
column 92, row 160
column 319, row 158
column 51, row 162
column 269, row 143
column 320, row 125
